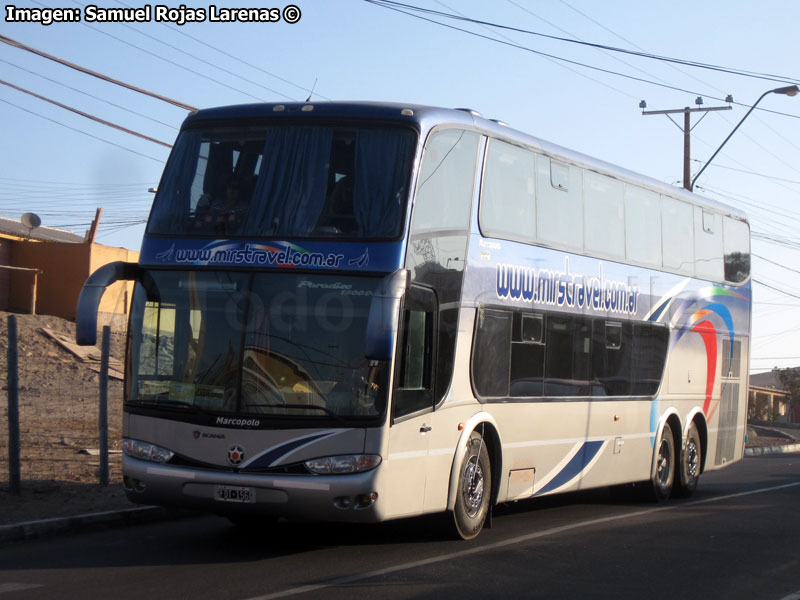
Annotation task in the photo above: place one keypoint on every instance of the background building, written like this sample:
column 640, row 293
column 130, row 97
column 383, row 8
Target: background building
column 43, row 271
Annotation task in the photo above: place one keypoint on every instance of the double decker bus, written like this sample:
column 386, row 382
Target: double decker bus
column 365, row 311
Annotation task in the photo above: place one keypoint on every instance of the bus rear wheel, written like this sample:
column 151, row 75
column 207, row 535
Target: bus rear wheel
column 474, row 491
column 664, row 474
column 690, row 464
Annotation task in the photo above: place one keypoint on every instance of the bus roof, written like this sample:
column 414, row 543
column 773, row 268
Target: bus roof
column 424, row 118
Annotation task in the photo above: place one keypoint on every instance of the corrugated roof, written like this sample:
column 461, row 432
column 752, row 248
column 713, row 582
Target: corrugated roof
column 45, row 234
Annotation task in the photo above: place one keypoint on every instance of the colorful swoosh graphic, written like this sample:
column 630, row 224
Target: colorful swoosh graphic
column 700, row 322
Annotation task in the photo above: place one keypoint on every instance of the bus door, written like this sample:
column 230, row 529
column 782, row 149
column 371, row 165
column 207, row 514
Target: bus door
column 412, row 403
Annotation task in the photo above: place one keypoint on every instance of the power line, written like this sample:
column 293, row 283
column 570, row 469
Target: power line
column 189, row 54
column 718, row 166
column 606, row 52
column 87, row 115
column 537, row 52
column 776, row 263
column 74, row 89
column 685, row 73
column 395, row 6
column 234, row 57
column 81, row 131
column 172, row 62
column 106, row 78
column 556, row 62
column 766, row 285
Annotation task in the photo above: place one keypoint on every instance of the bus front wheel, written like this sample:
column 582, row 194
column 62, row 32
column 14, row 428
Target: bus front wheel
column 474, row 489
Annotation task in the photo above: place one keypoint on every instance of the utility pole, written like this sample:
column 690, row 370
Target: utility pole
column 687, row 130
column 93, row 229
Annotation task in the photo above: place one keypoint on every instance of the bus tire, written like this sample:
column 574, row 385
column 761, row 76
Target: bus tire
column 664, row 474
column 690, row 464
column 474, row 491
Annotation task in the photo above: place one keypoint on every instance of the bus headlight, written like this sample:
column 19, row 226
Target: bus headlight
column 145, row 451
column 338, row 465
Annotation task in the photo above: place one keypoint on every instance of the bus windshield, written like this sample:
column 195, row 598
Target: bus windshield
column 286, row 182
column 267, row 344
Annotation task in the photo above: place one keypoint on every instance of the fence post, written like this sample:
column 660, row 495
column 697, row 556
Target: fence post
column 13, row 409
column 103, row 412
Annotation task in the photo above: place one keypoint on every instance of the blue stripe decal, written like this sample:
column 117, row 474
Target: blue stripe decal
column 270, row 457
column 657, row 312
column 574, row 467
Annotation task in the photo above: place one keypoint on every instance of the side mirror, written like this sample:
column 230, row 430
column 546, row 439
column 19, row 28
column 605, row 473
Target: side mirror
column 384, row 316
column 92, row 292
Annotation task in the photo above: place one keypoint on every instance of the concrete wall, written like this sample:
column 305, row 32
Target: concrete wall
column 64, row 269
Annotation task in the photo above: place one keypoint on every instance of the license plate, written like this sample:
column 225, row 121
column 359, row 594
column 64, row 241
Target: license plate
column 226, row 493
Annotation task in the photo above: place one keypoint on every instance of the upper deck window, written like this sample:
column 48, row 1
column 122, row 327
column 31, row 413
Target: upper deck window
column 286, row 182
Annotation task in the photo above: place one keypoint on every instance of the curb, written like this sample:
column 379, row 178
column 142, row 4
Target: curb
column 771, row 450
column 29, row 530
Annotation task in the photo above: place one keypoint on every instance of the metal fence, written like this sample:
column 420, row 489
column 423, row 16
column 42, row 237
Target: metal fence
column 63, row 420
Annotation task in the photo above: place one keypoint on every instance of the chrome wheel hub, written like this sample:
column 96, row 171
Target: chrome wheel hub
column 692, row 466
column 663, row 463
column 472, row 488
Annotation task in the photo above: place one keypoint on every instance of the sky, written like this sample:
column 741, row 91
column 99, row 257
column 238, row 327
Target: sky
column 63, row 166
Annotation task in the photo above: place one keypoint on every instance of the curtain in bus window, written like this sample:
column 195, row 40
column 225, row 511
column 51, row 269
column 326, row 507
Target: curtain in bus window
column 378, row 192
column 292, row 183
column 171, row 213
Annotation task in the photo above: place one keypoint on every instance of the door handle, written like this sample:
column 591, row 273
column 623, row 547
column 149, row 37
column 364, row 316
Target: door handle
column 425, row 428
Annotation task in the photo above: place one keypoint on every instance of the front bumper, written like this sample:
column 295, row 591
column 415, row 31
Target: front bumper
column 317, row 497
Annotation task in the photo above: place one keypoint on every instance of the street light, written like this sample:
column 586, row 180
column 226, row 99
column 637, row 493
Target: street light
column 789, row 90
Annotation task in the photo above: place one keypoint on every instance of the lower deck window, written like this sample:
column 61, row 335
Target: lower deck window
column 569, row 355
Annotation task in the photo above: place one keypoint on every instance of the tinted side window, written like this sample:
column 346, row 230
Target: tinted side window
column 559, row 209
column 446, row 179
column 708, row 244
column 604, row 210
column 642, row 225
column 736, row 236
column 650, row 353
column 612, row 355
column 568, row 356
column 415, row 360
column 508, row 207
column 490, row 353
column 677, row 235
column 521, row 354
column 527, row 355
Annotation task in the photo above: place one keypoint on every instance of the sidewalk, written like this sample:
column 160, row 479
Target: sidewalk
column 47, row 508
column 766, row 437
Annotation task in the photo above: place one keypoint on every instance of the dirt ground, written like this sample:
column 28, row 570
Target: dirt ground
column 58, row 421
column 59, row 403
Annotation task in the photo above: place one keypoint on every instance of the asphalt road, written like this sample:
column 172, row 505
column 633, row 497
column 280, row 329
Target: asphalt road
column 736, row 538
